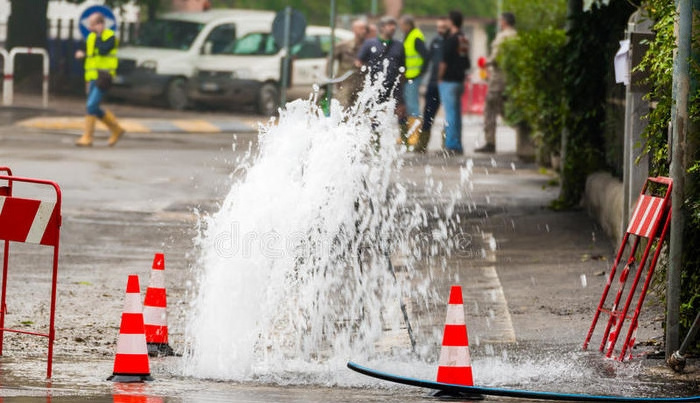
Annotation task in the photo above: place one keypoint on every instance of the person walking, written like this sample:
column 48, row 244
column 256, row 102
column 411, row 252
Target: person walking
column 345, row 54
column 101, row 61
column 496, row 83
column 432, row 98
column 416, row 55
column 451, row 75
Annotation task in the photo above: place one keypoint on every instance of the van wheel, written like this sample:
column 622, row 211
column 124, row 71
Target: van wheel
column 268, row 99
column 176, row 94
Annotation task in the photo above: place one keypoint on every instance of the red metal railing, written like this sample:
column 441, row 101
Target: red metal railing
column 651, row 220
column 29, row 221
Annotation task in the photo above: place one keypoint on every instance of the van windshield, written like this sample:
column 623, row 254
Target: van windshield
column 254, row 44
column 168, row 34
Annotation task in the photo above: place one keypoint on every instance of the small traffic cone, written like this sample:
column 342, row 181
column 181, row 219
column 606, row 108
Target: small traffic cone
column 455, row 365
column 131, row 361
column 154, row 311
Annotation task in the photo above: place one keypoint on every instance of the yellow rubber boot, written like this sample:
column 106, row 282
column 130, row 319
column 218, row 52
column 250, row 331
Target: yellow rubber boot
column 86, row 139
column 116, row 131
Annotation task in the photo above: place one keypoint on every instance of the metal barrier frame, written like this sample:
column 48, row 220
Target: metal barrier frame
column 9, row 71
column 6, row 191
column 656, row 228
column 5, row 61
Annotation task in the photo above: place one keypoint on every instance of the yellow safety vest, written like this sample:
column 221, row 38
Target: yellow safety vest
column 414, row 61
column 94, row 61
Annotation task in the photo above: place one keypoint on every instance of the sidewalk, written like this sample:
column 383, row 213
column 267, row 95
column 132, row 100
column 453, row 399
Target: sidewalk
column 536, row 275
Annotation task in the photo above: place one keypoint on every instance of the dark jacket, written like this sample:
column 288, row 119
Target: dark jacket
column 456, row 57
column 373, row 53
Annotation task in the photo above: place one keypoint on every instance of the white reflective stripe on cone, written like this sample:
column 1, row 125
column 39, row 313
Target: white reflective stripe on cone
column 157, row 279
column 132, row 344
column 455, row 315
column 154, row 316
column 454, row 356
column 132, row 303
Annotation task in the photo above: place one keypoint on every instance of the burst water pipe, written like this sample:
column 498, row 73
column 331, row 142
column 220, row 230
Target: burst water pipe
column 677, row 360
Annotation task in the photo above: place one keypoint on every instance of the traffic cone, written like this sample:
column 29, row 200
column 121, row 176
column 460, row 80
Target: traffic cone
column 455, row 366
column 131, row 361
column 154, row 311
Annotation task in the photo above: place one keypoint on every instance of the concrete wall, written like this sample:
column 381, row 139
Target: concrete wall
column 603, row 199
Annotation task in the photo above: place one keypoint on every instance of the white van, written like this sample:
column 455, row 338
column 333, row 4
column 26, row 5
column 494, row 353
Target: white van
column 162, row 59
column 249, row 73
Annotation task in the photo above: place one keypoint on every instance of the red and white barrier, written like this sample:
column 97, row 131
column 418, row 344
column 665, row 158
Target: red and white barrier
column 646, row 215
column 474, row 98
column 8, row 76
column 650, row 221
column 29, row 221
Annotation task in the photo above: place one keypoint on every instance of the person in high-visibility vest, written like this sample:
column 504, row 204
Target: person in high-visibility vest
column 101, row 62
column 416, row 57
column 432, row 96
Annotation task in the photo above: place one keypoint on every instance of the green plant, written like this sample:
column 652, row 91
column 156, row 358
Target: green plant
column 593, row 41
column 534, row 64
column 658, row 62
column 535, row 15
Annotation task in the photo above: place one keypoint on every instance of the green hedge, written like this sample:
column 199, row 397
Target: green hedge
column 534, row 66
column 659, row 64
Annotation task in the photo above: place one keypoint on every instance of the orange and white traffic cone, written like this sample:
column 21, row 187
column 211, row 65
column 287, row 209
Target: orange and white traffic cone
column 455, row 366
column 154, row 311
column 131, row 361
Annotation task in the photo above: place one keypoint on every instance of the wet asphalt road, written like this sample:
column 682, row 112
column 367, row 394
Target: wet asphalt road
column 122, row 205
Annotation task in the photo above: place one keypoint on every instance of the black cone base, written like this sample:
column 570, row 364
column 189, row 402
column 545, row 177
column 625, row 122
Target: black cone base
column 450, row 395
column 159, row 350
column 130, row 378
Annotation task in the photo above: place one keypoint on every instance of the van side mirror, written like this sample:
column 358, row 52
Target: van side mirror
column 206, row 49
